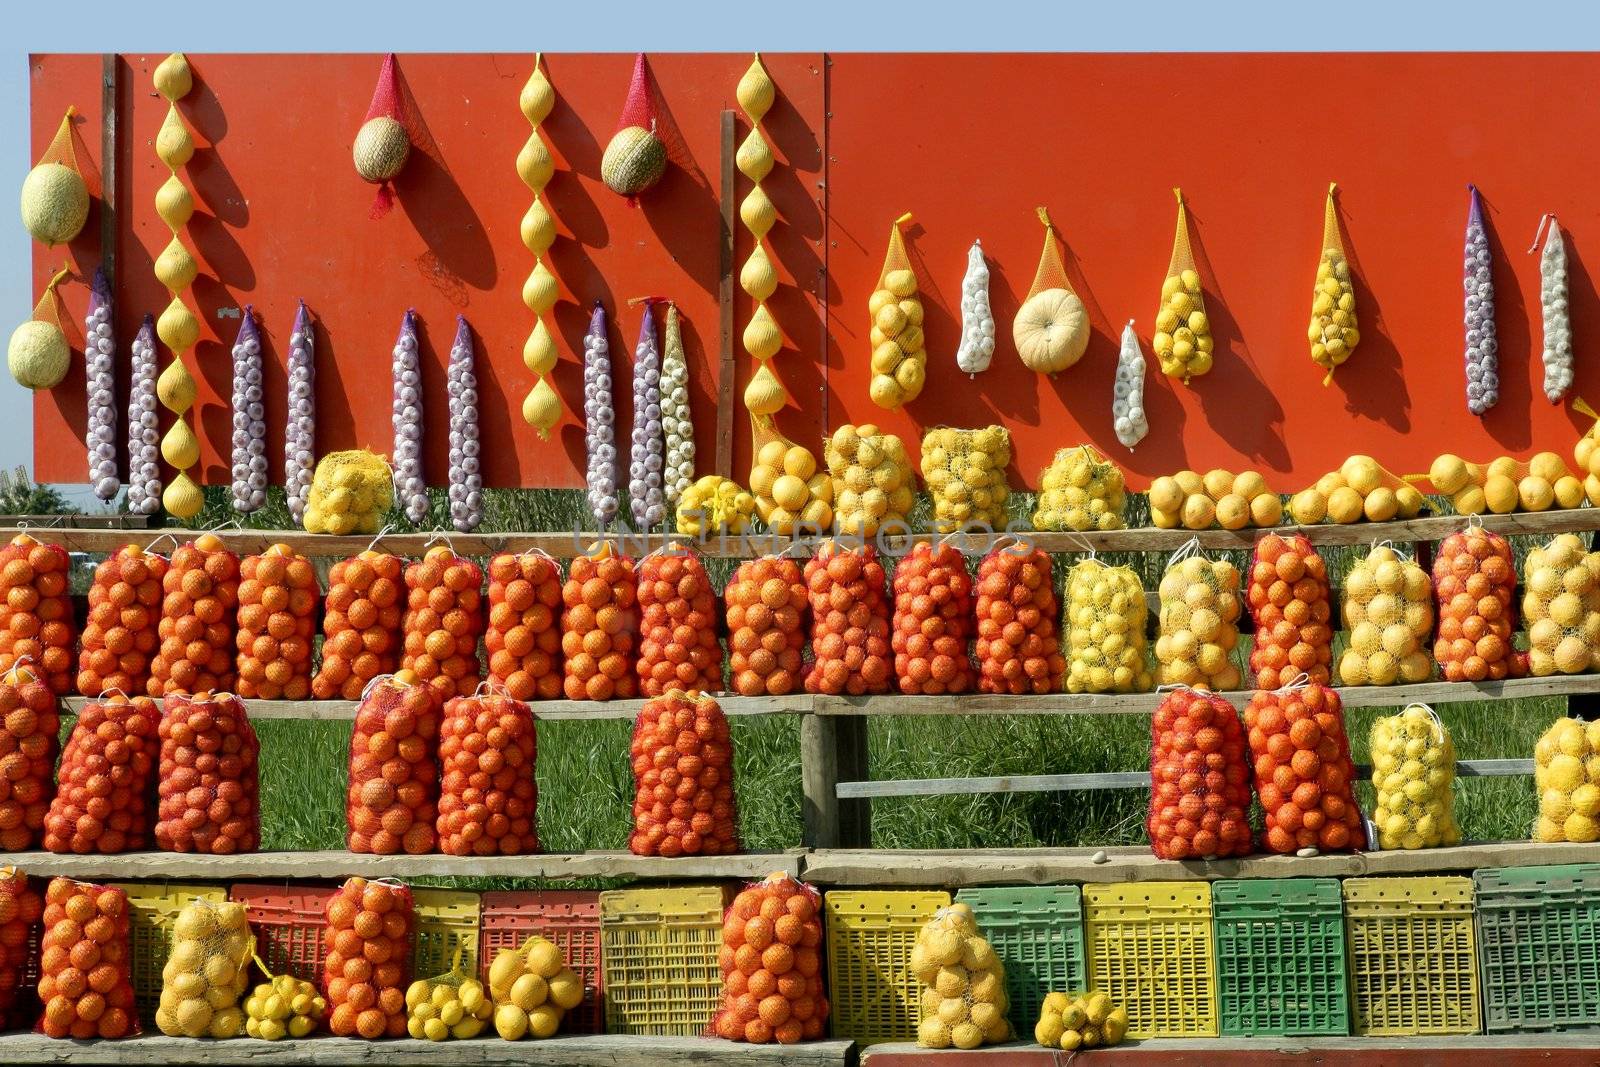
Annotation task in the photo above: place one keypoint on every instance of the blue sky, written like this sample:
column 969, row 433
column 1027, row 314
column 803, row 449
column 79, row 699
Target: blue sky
column 775, row 25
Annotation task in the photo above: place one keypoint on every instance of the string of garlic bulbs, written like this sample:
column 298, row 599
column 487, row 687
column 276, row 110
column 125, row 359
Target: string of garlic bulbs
column 1553, row 308
column 410, row 490
column 144, row 425
column 1483, row 347
column 249, row 419
column 300, row 442
column 100, row 350
column 648, row 454
column 466, row 473
column 677, row 423
column 600, row 419
column 977, row 321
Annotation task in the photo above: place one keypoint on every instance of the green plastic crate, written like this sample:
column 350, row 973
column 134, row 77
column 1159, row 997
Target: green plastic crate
column 1038, row 935
column 1280, row 957
column 1539, row 947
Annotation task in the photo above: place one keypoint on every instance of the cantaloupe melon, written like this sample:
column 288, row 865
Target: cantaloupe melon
column 633, row 161
column 38, row 355
column 55, row 203
column 381, row 149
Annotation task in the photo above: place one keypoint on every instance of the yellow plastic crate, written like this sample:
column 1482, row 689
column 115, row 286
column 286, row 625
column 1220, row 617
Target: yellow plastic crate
column 152, row 909
column 658, row 951
column 1413, row 956
column 1150, row 948
column 872, row 994
column 446, row 919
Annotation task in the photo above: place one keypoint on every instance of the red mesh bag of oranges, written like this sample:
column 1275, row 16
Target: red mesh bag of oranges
column 361, row 621
column 83, row 962
column 933, row 621
column 772, row 965
column 201, row 596
column 369, row 956
column 599, row 623
column 683, row 778
column 207, row 780
column 1199, row 778
column 1288, row 598
column 122, row 632
column 391, row 801
column 850, row 645
column 766, row 615
column 29, row 727
column 1475, row 580
column 487, row 796
column 277, row 620
column 36, row 611
column 1018, row 646
column 678, row 631
column 1303, row 771
column 444, row 618
column 21, row 908
column 102, row 804
column 524, row 636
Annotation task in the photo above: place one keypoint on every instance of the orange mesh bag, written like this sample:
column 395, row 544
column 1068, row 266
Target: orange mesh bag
column 599, row 625
column 1182, row 338
column 1051, row 329
column 899, row 355
column 208, row 779
column 102, row 803
column 1018, row 647
column 1303, row 770
column 487, row 738
column 1475, row 579
column 1199, row 778
column 766, row 615
column 771, row 963
column 123, row 629
column 361, row 623
column 29, row 728
column 683, row 778
column 1333, row 333
column 277, row 621
column 933, row 621
column 1289, row 601
column 369, row 931
column 21, row 909
column 84, row 962
column 201, row 590
column 36, row 610
column 443, row 619
column 391, row 801
column 524, row 635
column 849, row 621
column 678, row 635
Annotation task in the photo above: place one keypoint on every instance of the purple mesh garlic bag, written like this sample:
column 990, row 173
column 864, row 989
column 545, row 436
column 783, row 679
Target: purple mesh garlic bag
column 411, row 493
column 1483, row 349
column 99, row 351
column 249, row 419
column 466, row 476
column 299, row 442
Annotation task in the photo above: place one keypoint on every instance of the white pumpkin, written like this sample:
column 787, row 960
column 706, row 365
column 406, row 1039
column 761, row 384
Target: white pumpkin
column 1051, row 331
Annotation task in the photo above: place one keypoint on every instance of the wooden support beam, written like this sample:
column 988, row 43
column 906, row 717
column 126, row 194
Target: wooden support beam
column 549, row 710
column 831, row 747
column 727, row 371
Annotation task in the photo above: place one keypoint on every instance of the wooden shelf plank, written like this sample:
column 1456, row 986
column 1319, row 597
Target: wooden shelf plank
column 345, row 710
column 338, row 865
column 956, row 869
column 592, row 1050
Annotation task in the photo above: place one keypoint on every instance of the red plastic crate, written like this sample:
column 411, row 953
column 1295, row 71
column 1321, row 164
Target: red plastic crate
column 570, row 918
column 288, row 921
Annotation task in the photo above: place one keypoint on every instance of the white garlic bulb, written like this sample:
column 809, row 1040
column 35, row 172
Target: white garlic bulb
column 677, row 426
column 466, row 460
column 144, row 425
column 99, row 352
column 977, row 321
column 299, row 440
column 410, row 491
column 1127, row 391
column 1483, row 347
column 647, row 456
column 600, row 418
column 1557, row 322
column 249, row 419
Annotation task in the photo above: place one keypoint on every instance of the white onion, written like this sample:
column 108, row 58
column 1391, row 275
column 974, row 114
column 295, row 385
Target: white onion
column 409, row 487
column 466, row 483
column 299, row 444
column 599, row 417
column 144, row 436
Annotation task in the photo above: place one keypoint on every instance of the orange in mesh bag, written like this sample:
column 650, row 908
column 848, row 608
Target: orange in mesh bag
column 766, row 616
column 122, row 632
column 1199, row 778
column 771, row 965
column 370, row 925
column 20, row 911
column 1018, row 648
column 443, row 619
column 849, row 621
column 683, row 778
column 391, row 802
column 208, row 777
column 197, row 620
column 933, row 621
column 899, row 359
column 524, row 635
column 361, row 624
column 1182, row 339
column 1303, row 770
column 678, row 647
column 103, row 801
column 487, row 796
column 1051, row 329
column 599, row 624
column 36, row 610
column 1332, row 332
column 84, row 969
column 1289, row 602
column 29, row 727
column 277, row 621
column 1474, row 579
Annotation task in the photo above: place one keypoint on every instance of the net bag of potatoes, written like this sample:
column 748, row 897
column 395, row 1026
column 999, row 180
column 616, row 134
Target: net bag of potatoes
column 1566, row 775
column 1199, row 778
column 1182, row 339
column 1104, row 630
column 965, row 471
column 963, row 996
column 1051, row 329
column 1198, row 625
column 205, row 974
column 1413, row 768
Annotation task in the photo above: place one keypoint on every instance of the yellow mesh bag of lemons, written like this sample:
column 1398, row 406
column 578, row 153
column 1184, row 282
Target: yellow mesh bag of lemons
column 1199, row 622
column 1083, row 1020
column 787, row 485
column 350, row 493
column 872, row 479
column 450, row 1005
column 1566, row 775
column 1104, row 640
column 283, row 1006
column 1388, row 610
column 204, row 975
column 1561, row 607
column 1413, row 768
column 965, row 471
column 1218, row 497
column 1080, row 490
column 533, row 988
column 964, row 986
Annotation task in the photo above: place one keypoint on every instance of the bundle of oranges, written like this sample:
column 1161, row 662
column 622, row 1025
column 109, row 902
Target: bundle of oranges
column 360, row 624
column 208, row 780
column 1475, row 580
column 683, row 778
column 1017, row 647
column 35, row 610
column 1288, row 598
column 1199, row 778
column 443, row 620
column 932, row 621
column 771, row 965
column 599, row 621
column 197, row 620
column 678, row 637
column 29, row 728
column 121, row 634
column 487, row 797
column 277, row 620
column 369, row 927
column 524, row 639
column 1303, row 770
column 83, row 962
column 392, row 798
column 849, row 621
column 101, row 804
column 20, row 908
column 766, row 614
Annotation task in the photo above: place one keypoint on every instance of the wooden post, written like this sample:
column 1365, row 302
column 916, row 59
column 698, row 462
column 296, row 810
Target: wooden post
column 726, row 373
column 109, row 122
column 833, row 748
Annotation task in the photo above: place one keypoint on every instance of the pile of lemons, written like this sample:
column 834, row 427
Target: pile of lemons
column 714, row 504
column 1566, row 774
column 1361, row 489
column 1087, row 1020
column 1105, row 640
column 872, row 479
column 1388, row 609
column 1196, row 502
column 966, row 474
column 1413, row 766
column 533, row 988
column 964, row 987
column 1080, row 490
column 286, row 1006
column 444, row 1008
column 204, row 975
column 1503, row 485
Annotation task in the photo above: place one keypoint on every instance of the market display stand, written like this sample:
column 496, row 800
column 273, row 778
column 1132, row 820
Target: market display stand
column 1548, row 1050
